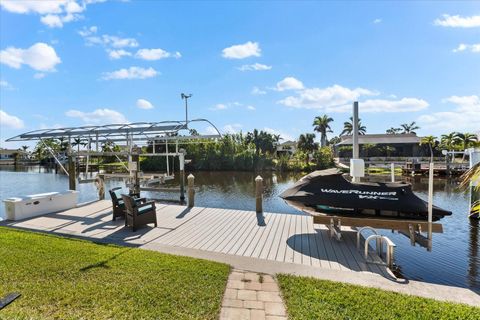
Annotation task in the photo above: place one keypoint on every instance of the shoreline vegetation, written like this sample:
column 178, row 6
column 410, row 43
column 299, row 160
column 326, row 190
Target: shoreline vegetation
column 258, row 150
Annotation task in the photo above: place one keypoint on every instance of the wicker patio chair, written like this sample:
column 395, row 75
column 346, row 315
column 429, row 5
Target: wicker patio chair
column 118, row 205
column 139, row 213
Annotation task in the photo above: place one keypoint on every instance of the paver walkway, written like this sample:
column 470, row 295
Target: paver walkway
column 252, row 296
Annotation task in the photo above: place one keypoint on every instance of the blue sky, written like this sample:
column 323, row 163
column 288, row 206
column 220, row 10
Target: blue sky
column 266, row 65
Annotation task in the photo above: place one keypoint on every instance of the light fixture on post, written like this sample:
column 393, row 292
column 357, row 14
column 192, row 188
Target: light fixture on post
column 186, row 97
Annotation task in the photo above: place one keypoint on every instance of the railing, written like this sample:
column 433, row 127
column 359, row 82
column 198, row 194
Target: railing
column 379, row 241
column 390, row 248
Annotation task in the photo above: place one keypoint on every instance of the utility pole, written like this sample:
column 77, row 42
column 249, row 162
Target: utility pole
column 186, row 97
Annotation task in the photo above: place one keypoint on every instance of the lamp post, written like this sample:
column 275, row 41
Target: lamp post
column 186, row 97
column 357, row 166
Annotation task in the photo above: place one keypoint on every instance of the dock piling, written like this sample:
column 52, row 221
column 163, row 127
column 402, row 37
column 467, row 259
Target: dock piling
column 392, row 171
column 71, row 173
column 259, row 194
column 181, row 160
column 191, row 190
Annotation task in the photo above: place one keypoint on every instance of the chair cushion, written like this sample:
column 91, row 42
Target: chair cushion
column 144, row 210
column 118, row 194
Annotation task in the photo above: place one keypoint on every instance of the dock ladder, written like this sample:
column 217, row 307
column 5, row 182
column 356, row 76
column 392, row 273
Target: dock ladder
column 380, row 240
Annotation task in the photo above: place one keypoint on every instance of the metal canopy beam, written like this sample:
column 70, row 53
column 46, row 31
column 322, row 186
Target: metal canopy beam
column 140, row 131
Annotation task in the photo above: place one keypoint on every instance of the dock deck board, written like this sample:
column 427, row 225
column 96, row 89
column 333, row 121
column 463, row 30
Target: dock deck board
column 286, row 238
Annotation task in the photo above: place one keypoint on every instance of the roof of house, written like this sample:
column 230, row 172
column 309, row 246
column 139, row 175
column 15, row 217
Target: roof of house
column 381, row 139
column 288, row 143
column 11, row 151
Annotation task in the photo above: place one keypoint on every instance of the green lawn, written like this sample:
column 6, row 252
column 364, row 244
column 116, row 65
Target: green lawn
column 308, row 298
column 63, row 278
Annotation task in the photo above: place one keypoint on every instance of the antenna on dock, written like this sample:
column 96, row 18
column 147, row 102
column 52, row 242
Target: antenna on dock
column 186, row 97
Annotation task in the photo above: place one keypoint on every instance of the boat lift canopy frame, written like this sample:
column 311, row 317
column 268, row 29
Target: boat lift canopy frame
column 138, row 132
column 133, row 135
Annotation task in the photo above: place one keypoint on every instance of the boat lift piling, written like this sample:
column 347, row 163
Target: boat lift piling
column 392, row 172
column 430, row 206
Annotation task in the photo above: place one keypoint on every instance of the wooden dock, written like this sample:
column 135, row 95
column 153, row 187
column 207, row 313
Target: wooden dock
column 284, row 238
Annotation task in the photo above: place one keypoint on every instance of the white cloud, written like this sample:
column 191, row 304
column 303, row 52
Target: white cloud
column 468, row 47
column 39, row 56
column 115, row 46
column 53, row 13
column 219, row 106
column 39, row 75
column 130, row 73
column 232, row 128
column 251, row 108
column 463, row 117
column 118, row 42
column 254, row 67
column 156, row 54
column 224, row 106
column 52, row 20
column 98, row 116
column 144, row 104
column 377, row 21
column 283, row 135
column 210, row 130
column 9, row 121
column 117, row 54
column 257, row 91
column 242, row 51
column 40, row 7
column 381, row 105
column 319, row 98
column 5, row 85
column 289, row 83
column 457, row 21
column 112, row 42
column 85, row 32
column 44, row 126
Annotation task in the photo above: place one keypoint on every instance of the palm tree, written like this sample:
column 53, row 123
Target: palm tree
column 410, row 128
column 42, row 148
column 430, row 141
column 450, row 140
column 466, row 139
column 322, row 125
column 79, row 142
column 393, row 130
column 277, row 138
column 348, row 127
column 334, row 140
column 193, row 132
column 306, row 143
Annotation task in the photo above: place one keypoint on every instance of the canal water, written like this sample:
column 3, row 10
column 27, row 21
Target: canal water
column 454, row 260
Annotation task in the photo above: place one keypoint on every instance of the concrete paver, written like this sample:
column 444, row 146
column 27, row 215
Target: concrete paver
column 253, row 296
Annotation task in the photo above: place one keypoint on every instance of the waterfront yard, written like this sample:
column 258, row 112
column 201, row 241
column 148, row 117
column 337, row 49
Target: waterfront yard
column 74, row 279
column 309, row 298
column 64, row 278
